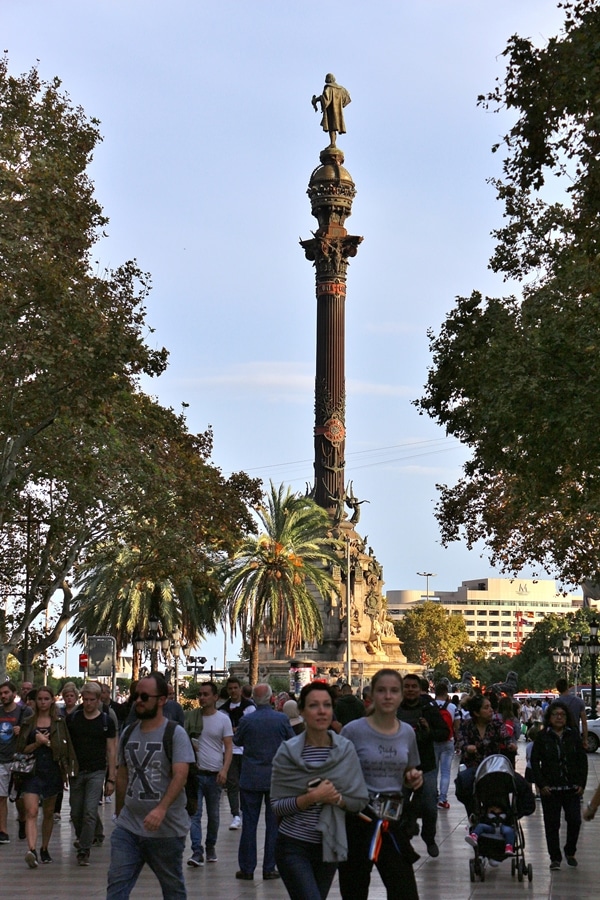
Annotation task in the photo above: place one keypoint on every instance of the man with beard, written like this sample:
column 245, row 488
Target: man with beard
column 424, row 716
column 152, row 822
column 12, row 715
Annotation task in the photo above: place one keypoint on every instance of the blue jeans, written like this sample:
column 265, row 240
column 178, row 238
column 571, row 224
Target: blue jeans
column 129, row 852
column 301, row 866
column 444, row 754
column 209, row 790
column 251, row 803
column 506, row 831
column 85, row 793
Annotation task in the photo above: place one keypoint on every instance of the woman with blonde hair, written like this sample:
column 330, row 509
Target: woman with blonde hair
column 46, row 737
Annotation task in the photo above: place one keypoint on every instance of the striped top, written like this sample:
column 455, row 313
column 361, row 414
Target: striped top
column 297, row 823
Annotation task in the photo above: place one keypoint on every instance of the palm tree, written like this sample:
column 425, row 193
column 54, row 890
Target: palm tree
column 270, row 580
column 118, row 597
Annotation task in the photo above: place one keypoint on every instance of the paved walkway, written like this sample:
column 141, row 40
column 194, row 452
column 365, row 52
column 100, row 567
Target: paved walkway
column 445, row 878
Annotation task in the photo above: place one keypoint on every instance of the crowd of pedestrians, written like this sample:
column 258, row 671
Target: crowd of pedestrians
column 344, row 782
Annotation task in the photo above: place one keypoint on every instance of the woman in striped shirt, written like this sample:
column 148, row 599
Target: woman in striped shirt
column 316, row 778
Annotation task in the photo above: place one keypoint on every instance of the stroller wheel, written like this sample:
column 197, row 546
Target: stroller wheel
column 520, row 871
column 472, row 869
column 529, row 872
column 513, row 866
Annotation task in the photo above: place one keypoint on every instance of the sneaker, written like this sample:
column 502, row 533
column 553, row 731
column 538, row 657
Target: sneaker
column 4, row 838
column 31, row 859
column 77, row 845
column 22, row 834
column 555, row 864
column 508, row 850
column 98, row 841
column 571, row 861
column 211, row 854
column 433, row 849
column 108, row 798
column 83, row 858
column 196, row 860
column 245, row 876
column 45, row 856
column 236, row 823
column 271, row 876
column 443, row 804
column 471, row 839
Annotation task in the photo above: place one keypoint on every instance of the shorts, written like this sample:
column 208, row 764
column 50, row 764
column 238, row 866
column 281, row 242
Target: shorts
column 5, row 774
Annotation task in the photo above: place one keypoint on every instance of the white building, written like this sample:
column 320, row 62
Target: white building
column 501, row 611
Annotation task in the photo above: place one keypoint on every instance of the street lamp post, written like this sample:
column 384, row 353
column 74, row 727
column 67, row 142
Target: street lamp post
column 427, row 576
column 593, row 646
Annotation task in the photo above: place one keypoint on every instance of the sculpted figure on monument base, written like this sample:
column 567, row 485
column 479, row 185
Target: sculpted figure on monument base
column 333, row 100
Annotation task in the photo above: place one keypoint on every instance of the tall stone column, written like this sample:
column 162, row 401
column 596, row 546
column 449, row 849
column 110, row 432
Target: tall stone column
column 331, row 191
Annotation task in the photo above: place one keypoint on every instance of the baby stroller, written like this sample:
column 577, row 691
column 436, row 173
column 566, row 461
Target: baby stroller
column 496, row 784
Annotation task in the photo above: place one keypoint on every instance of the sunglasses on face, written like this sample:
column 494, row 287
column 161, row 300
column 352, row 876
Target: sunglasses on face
column 144, row 697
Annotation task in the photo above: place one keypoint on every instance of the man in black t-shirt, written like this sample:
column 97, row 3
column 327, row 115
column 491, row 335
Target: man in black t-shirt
column 93, row 734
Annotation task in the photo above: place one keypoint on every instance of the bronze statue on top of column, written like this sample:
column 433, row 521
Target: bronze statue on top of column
column 333, row 100
column 331, row 192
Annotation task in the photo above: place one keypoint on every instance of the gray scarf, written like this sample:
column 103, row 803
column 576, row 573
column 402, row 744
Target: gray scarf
column 290, row 777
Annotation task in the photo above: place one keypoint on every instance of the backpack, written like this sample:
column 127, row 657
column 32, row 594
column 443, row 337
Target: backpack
column 448, row 720
column 192, row 783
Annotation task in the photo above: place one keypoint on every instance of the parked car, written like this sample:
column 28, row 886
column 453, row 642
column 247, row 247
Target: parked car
column 593, row 735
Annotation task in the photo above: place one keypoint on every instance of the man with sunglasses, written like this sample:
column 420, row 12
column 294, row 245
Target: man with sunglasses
column 152, row 822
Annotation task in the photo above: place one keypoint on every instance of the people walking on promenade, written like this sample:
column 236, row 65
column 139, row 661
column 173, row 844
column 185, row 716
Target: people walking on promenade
column 260, row 734
column 388, row 754
column 559, row 766
column 94, row 738
column 213, row 753
column 152, row 822
column 316, row 778
column 45, row 735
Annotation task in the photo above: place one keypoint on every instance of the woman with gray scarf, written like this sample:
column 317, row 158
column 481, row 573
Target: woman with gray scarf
column 316, row 778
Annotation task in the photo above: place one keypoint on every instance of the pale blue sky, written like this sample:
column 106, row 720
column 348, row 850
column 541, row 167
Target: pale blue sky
column 209, row 142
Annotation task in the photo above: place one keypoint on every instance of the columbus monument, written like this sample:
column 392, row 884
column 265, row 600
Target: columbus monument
column 372, row 641
column 355, row 626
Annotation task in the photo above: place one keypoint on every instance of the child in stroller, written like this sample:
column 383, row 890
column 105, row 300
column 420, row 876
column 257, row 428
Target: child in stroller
column 493, row 821
column 500, row 798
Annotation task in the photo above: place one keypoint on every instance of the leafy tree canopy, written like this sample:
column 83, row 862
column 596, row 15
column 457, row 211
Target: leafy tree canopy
column 89, row 464
column 434, row 637
column 516, row 379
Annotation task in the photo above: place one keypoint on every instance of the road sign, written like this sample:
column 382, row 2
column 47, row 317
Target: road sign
column 83, row 662
column 101, row 650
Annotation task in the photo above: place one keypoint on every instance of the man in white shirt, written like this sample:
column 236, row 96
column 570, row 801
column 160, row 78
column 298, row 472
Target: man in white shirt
column 444, row 750
column 214, row 749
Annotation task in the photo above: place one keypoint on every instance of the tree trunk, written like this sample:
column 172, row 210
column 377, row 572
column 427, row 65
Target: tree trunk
column 135, row 665
column 253, row 658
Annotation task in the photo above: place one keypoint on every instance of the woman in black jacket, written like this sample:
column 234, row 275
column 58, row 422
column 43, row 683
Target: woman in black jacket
column 559, row 765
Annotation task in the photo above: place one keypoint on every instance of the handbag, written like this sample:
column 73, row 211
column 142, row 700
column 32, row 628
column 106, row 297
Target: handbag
column 23, row 764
